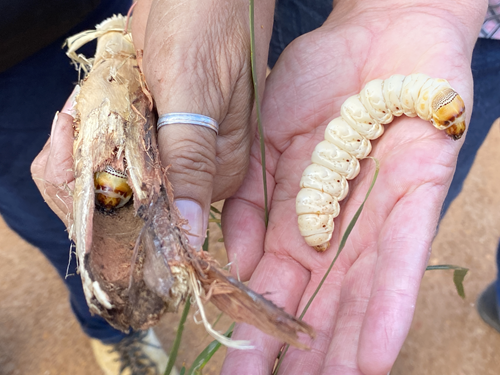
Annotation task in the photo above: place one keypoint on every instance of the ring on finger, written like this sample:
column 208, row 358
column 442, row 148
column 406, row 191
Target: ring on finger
column 188, row 118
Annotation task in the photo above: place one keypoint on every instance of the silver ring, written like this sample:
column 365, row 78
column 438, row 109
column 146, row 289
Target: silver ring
column 188, row 118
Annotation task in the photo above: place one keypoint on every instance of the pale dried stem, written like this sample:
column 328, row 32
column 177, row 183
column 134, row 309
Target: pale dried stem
column 197, row 292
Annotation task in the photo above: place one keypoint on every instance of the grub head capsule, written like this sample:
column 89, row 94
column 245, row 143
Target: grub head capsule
column 111, row 188
column 448, row 113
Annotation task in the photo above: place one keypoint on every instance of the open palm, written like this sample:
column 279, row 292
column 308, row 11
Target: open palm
column 363, row 312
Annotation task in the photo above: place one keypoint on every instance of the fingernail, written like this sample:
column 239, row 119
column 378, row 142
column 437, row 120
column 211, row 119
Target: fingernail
column 196, row 227
column 53, row 128
column 69, row 106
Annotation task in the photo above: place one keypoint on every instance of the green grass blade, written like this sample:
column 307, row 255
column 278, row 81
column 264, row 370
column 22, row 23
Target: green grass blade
column 257, row 108
column 341, row 247
column 177, row 342
column 458, row 280
column 458, row 275
column 218, row 222
column 214, row 218
column 217, row 320
column 205, row 244
column 214, row 209
column 201, row 361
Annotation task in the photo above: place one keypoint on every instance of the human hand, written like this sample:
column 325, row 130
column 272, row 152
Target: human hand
column 197, row 60
column 52, row 169
column 363, row 312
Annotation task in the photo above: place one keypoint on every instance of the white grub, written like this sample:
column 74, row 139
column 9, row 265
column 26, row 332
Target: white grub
column 347, row 139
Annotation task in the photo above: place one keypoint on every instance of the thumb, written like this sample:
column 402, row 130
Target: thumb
column 189, row 152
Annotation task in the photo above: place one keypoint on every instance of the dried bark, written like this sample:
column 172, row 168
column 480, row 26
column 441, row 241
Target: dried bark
column 136, row 262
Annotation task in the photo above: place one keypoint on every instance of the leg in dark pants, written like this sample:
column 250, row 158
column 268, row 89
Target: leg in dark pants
column 31, row 92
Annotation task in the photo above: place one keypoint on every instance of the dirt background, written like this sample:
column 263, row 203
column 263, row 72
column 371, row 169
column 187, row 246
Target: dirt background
column 39, row 335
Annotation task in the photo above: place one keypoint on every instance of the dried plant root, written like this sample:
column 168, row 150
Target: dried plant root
column 135, row 261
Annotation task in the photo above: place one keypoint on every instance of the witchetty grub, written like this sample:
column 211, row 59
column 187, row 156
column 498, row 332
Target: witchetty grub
column 347, row 139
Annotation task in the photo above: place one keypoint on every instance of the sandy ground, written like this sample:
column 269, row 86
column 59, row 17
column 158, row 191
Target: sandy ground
column 39, row 335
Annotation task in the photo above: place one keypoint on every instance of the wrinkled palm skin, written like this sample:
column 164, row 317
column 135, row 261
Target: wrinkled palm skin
column 363, row 312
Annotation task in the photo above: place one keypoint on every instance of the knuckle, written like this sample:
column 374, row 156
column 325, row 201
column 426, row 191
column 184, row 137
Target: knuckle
column 193, row 160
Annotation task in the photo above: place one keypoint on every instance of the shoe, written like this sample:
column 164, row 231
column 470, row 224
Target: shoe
column 138, row 354
column 487, row 307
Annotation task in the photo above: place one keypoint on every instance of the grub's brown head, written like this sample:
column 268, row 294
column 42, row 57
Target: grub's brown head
column 111, row 189
column 448, row 113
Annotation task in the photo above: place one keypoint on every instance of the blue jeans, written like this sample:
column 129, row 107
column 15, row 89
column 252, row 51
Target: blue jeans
column 32, row 91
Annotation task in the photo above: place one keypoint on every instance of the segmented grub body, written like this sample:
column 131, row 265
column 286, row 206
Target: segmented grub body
column 347, row 139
